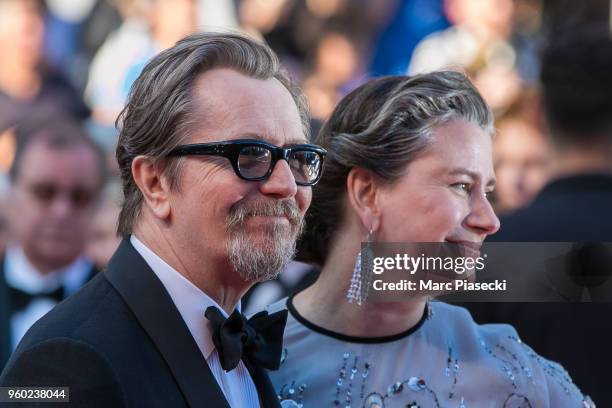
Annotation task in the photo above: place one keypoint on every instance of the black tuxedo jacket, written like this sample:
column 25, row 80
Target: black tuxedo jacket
column 6, row 312
column 120, row 342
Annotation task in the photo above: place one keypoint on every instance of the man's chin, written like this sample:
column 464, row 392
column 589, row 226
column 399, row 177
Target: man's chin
column 267, row 232
column 262, row 236
column 260, row 258
column 258, row 275
column 261, row 278
column 60, row 253
column 267, row 221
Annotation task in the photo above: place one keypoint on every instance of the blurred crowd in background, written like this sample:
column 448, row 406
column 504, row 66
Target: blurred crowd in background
column 68, row 64
column 66, row 67
column 74, row 60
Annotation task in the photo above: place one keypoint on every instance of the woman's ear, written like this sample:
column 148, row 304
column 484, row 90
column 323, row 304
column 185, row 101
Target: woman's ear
column 154, row 186
column 363, row 190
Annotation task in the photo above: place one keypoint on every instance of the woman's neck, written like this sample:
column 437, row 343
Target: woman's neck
column 325, row 304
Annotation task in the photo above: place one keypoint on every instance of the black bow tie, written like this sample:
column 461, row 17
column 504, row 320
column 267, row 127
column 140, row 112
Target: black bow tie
column 19, row 300
column 257, row 341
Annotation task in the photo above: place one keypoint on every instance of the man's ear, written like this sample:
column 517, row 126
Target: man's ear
column 363, row 190
column 153, row 185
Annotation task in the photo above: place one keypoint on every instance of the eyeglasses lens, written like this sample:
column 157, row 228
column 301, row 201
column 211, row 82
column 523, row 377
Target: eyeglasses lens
column 254, row 161
column 305, row 166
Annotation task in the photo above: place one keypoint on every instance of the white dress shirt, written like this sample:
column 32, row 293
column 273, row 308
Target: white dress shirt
column 191, row 302
column 21, row 274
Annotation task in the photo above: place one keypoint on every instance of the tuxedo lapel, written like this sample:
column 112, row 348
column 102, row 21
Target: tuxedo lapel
column 91, row 274
column 145, row 295
column 5, row 318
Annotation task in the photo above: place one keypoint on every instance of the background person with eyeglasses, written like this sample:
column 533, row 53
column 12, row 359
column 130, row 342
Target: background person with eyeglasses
column 56, row 178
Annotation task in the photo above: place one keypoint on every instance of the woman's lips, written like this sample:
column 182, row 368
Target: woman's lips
column 469, row 249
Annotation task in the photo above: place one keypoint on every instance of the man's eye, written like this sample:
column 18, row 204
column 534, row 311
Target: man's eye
column 489, row 195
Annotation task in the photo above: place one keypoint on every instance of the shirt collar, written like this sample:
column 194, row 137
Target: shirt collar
column 21, row 274
column 190, row 300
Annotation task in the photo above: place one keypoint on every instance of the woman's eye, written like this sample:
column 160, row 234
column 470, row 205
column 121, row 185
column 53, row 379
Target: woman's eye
column 462, row 186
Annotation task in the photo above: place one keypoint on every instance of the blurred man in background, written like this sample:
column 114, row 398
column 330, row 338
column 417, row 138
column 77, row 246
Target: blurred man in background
column 576, row 85
column 56, row 177
column 576, row 206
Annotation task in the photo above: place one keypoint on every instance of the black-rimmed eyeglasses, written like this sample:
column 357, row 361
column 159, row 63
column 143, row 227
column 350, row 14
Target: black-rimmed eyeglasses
column 254, row 160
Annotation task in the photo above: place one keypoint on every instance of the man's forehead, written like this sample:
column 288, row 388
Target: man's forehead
column 45, row 149
column 229, row 105
column 41, row 159
column 219, row 87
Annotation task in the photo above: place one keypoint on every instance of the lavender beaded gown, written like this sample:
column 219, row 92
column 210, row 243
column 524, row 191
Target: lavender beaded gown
column 446, row 360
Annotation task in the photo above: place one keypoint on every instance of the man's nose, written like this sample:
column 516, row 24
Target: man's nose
column 281, row 183
column 61, row 205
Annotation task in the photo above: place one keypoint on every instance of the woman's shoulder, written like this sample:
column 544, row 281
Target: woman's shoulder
column 503, row 347
column 277, row 306
column 458, row 319
column 297, row 327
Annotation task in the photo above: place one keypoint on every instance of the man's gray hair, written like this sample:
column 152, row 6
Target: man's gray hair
column 159, row 114
column 382, row 126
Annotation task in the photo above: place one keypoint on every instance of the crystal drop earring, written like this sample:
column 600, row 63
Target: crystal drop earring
column 362, row 274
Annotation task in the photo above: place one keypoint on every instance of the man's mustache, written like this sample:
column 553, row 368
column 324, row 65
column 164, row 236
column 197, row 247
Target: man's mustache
column 266, row 208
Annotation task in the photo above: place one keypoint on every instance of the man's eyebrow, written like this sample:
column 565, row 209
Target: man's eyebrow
column 473, row 175
column 261, row 137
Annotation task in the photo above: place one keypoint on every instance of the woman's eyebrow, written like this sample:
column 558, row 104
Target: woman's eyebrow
column 473, row 175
